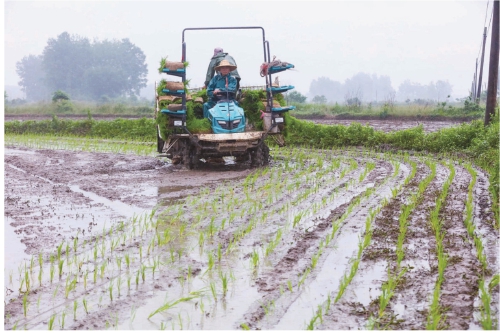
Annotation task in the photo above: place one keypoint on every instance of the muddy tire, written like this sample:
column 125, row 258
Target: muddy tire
column 159, row 141
column 260, row 156
column 191, row 159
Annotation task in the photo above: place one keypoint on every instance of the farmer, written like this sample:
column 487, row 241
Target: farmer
column 221, row 83
column 218, row 56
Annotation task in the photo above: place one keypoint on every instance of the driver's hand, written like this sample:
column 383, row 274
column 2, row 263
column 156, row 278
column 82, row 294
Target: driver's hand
column 216, row 91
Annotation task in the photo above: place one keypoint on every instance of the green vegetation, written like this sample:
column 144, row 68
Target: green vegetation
column 385, row 110
column 118, row 108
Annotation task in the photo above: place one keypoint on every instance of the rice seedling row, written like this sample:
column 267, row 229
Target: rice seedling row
column 293, row 245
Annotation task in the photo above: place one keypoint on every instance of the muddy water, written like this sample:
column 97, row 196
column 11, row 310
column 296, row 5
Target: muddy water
column 223, row 247
column 392, row 125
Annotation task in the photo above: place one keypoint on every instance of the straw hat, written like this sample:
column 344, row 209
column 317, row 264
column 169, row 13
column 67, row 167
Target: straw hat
column 225, row 63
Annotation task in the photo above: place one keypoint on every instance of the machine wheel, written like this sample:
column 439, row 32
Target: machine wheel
column 191, row 159
column 260, row 156
column 194, row 159
column 159, row 141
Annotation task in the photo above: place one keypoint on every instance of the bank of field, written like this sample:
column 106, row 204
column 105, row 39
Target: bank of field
column 347, row 228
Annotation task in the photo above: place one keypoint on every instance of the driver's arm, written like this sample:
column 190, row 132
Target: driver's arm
column 211, row 87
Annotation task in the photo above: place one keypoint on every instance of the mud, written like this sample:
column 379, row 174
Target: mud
column 391, row 125
column 229, row 247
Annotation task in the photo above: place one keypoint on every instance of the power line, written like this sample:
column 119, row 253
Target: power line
column 485, row 17
column 491, row 16
column 486, row 13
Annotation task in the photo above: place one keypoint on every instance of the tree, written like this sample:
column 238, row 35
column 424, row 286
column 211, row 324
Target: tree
column 118, row 68
column 360, row 86
column 60, row 95
column 431, row 92
column 332, row 90
column 295, row 97
column 32, row 77
column 319, row 99
column 65, row 61
column 84, row 69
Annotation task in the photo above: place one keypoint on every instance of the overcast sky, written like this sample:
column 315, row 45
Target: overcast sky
column 421, row 41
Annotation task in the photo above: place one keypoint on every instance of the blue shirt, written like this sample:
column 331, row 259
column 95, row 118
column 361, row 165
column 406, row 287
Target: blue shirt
column 219, row 82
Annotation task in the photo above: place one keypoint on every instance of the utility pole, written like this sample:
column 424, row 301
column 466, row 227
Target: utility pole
column 491, row 99
column 478, row 97
column 474, row 94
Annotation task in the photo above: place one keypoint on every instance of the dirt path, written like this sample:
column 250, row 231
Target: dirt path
column 105, row 239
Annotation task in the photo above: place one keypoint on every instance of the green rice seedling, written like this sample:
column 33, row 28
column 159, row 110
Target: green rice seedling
column 180, row 321
column 25, row 304
column 60, row 264
column 211, row 227
column 127, row 260
column 51, row 322
column 143, row 273
column 244, row 326
column 304, row 276
column 110, row 289
column 85, row 279
column 155, row 266
column 119, row 263
column 213, row 290
column 486, row 319
column 128, row 282
column 223, row 278
column 59, row 249
column 494, row 282
column 119, row 285
column 75, row 307
column 103, row 268
column 75, row 242
column 169, row 305
column 314, row 260
column 211, row 261
column 27, row 279
column 219, row 253
column 255, row 259
column 85, row 306
column 70, row 285
column 40, row 260
column 40, row 275
column 38, row 303
column 137, row 278
column 55, row 291
column 289, row 283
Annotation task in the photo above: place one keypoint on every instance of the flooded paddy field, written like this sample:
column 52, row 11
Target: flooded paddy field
column 391, row 125
column 319, row 239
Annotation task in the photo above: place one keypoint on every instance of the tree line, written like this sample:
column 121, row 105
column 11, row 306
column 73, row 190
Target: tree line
column 85, row 70
column 365, row 88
